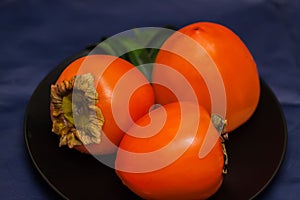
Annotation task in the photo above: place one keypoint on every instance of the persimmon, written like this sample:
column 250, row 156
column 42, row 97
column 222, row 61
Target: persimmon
column 230, row 56
column 165, row 164
column 95, row 99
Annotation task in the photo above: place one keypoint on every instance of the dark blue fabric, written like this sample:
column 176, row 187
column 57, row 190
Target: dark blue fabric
column 36, row 35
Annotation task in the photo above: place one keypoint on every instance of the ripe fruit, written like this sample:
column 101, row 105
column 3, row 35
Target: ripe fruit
column 108, row 93
column 230, row 56
column 165, row 164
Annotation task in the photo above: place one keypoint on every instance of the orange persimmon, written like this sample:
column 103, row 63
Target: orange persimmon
column 111, row 94
column 230, row 56
column 166, row 164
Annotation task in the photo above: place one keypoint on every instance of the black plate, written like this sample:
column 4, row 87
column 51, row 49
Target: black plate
column 256, row 151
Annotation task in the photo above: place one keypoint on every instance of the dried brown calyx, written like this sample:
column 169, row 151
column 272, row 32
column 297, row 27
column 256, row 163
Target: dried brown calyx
column 220, row 124
column 75, row 116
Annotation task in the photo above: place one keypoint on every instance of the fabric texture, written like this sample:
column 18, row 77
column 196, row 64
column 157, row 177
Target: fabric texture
column 35, row 36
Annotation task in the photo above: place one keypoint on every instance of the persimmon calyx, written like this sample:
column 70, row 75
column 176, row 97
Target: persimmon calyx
column 75, row 116
column 220, row 124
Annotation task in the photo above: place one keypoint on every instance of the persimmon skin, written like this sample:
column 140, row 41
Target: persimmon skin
column 234, row 62
column 107, row 71
column 189, row 176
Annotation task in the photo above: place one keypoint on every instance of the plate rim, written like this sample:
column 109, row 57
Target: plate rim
column 68, row 59
column 284, row 147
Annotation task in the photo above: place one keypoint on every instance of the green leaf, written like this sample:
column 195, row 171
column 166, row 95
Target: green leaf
column 133, row 44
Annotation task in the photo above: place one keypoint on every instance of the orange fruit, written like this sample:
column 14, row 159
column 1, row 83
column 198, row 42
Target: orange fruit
column 122, row 96
column 232, row 59
column 165, row 164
